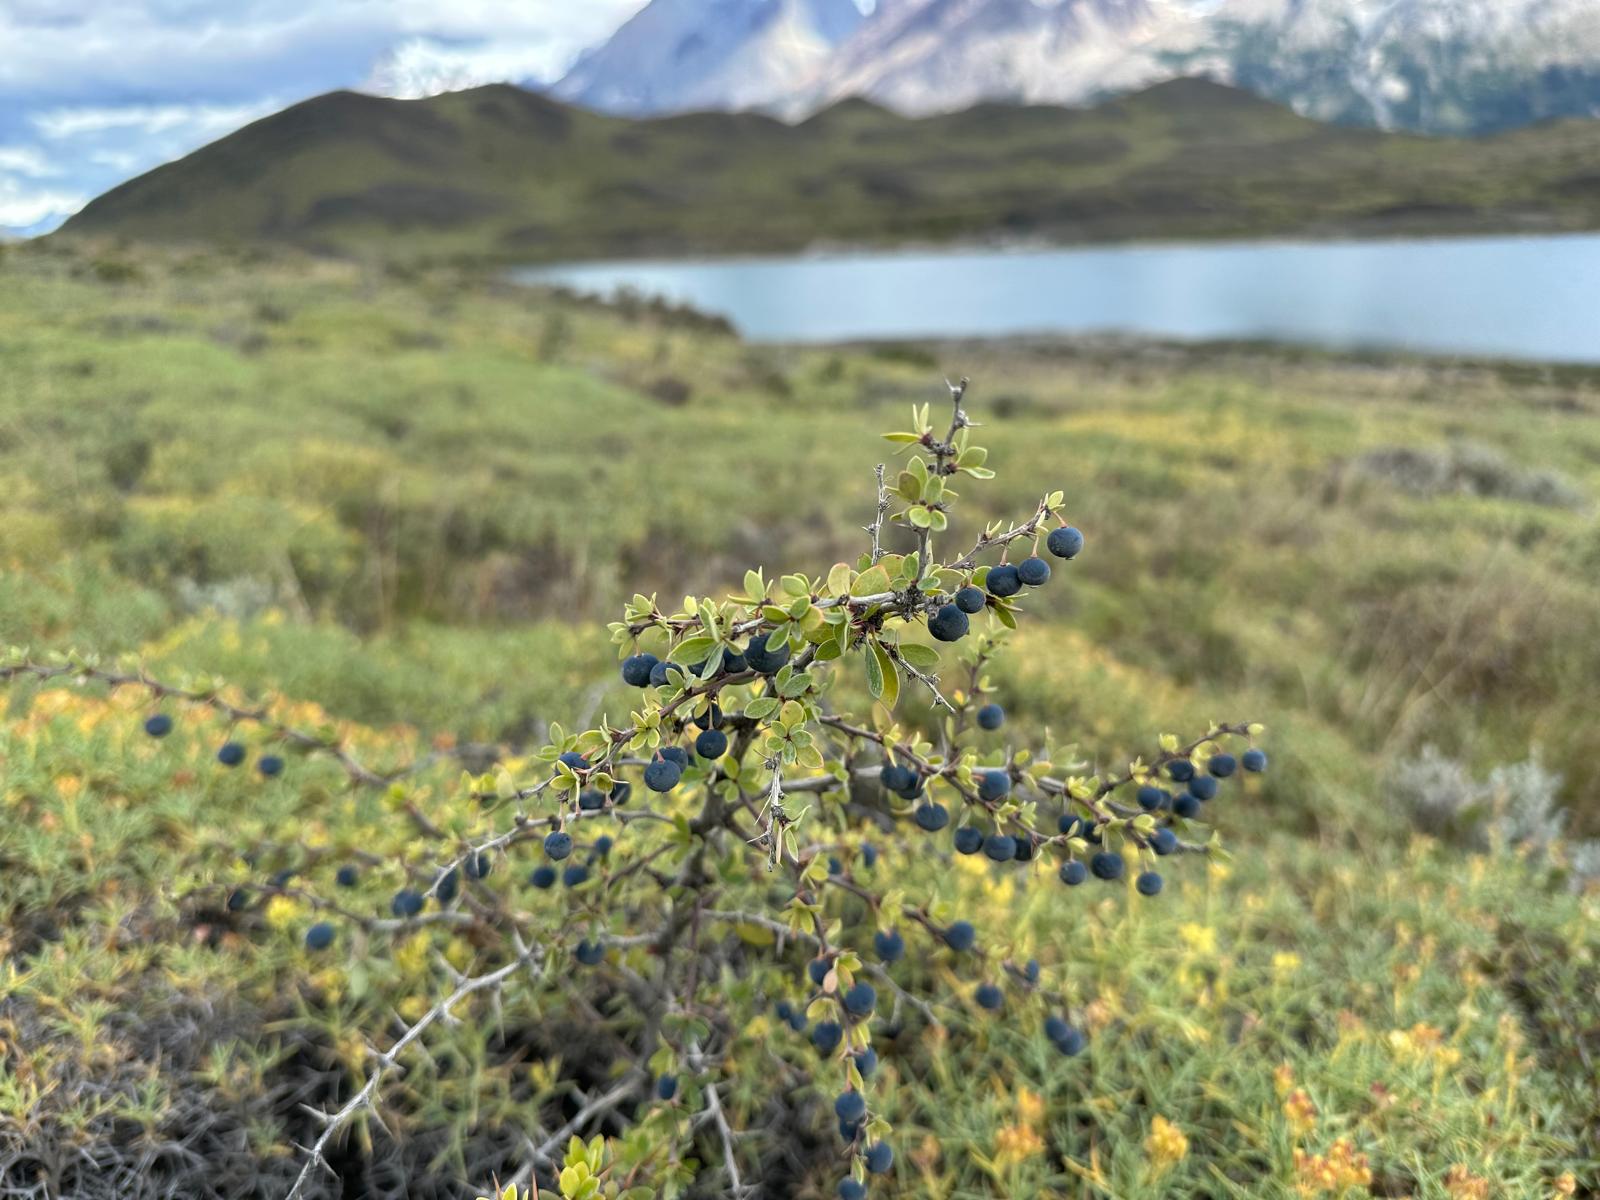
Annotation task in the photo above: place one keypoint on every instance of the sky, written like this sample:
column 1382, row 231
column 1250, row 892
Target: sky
column 93, row 92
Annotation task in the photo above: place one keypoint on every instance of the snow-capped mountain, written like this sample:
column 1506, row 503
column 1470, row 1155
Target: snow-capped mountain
column 677, row 55
column 1435, row 65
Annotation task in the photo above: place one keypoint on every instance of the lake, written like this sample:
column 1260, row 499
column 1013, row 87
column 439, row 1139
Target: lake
column 1515, row 297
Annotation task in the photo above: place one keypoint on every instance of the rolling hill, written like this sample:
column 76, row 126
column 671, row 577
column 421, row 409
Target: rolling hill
column 505, row 175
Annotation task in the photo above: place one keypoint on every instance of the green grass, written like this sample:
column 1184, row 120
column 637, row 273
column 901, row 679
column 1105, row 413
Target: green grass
column 409, row 504
column 501, row 174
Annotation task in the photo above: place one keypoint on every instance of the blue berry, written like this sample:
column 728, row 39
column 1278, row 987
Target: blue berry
column 1070, row 824
column 991, row 717
column 713, row 743
column 733, row 662
column 766, row 660
column 970, row 600
column 590, row 953
column 406, row 903
column 1034, row 572
column 590, row 800
column 558, row 844
column 543, row 878
column 1107, row 864
column 783, row 1010
column 1186, row 805
column 1003, row 581
column 949, row 624
column 1024, row 850
column 1073, row 873
column 319, row 936
column 1163, row 841
column 825, row 1036
column 621, row 792
column 999, row 847
column 860, row 1000
column 897, row 778
column 1222, row 765
column 931, row 817
column 662, row 775
column 1055, row 1028
column 230, row 754
column 969, row 840
column 574, row 875
column 1180, row 770
column 448, row 887
column 1064, row 542
column 960, row 936
column 636, row 669
column 347, row 876
column 818, row 969
column 574, row 760
column 1031, row 971
column 478, row 866
column 990, row 997
column 269, row 765
column 1253, row 760
column 667, row 1087
column 797, row 1021
column 866, row 1062
column 1204, row 787
column 849, row 1189
column 602, row 847
column 869, row 855
column 889, row 945
column 1152, row 798
column 158, row 726
column 835, row 867
column 993, row 785
column 675, row 754
column 850, row 1106
column 1148, row 883
column 1064, row 1037
column 880, row 1157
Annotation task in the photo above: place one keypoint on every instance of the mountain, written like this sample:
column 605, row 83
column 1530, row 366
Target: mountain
column 505, row 175
column 678, row 55
column 1445, row 66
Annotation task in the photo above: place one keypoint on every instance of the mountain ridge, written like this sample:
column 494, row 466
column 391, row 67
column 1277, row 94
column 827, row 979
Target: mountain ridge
column 501, row 174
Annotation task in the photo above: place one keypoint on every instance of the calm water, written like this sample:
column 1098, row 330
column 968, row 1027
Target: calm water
column 1520, row 297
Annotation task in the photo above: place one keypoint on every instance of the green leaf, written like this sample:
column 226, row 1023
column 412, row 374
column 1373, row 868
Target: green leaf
column 924, row 658
column 874, row 672
column 839, row 579
column 870, row 583
column 692, row 649
column 889, row 673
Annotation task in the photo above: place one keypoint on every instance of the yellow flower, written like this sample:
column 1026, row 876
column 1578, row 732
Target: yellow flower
column 1284, row 964
column 1015, row 1143
column 1300, row 1112
column 1462, row 1184
column 1030, row 1107
column 1283, row 1079
column 1166, row 1146
column 1202, row 939
column 1338, row 1172
column 282, row 912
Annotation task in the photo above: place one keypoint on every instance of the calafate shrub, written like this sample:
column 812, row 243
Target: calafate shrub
column 743, row 860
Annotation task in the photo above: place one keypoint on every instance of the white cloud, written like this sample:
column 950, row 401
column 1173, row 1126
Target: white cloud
column 425, row 67
column 22, row 206
column 59, row 124
column 26, row 160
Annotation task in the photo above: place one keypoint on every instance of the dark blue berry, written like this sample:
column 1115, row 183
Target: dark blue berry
column 558, row 844
column 1186, row 805
column 1148, row 883
column 1204, row 787
column 1152, row 798
column 575, row 760
column 1253, row 760
column 1163, row 841
column 621, row 792
column 797, row 1021
column 1222, row 765
column 765, row 660
column 960, row 936
column 713, row 743
column 818, row 969
column 784, row 1010
column 636, row 669
column 889, row 945
column 1180, row 770
column 269, row 765
column 230, row 754
column 1064, row 1037
column 1034, row 572
column 991, row 717
column 897, row 778
column 931, row 817
column 999, row 847
column 319, row 936
column 664, row 673
column 835, row 867
column 866, row 1062
column 406, row 903
column 590, row 953
column 860, row 1000
column 667, row 1087
column 1107, row 864
column 675, row 754
column 990, row 997
column 850, row 1106
column 574, row 874
column 1003, row 581
column 825, row 1036
column 970, row 600
column 949, row 624
column 869, row 855
column 1065, row 542
column 1055, row 1028
column 993, row 785
column 662, row 775
column 158, row 726
column 1024, row 850
column 602, row 846
column 1031, row 970
column 478, row 866
column 347, row 876
column 590, row 800
column 1070, row 824
column 849, row 1189
column 543, row 877
column 448, row 887
column 733, row 662
column 880, row 1157
column 969, row 840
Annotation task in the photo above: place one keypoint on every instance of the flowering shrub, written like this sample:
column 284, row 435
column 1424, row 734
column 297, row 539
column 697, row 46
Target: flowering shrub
column 739, row 843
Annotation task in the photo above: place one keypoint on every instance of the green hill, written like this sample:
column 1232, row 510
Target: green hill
column 502, row 174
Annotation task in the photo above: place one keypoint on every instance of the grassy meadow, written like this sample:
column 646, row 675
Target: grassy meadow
column 405, row 503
